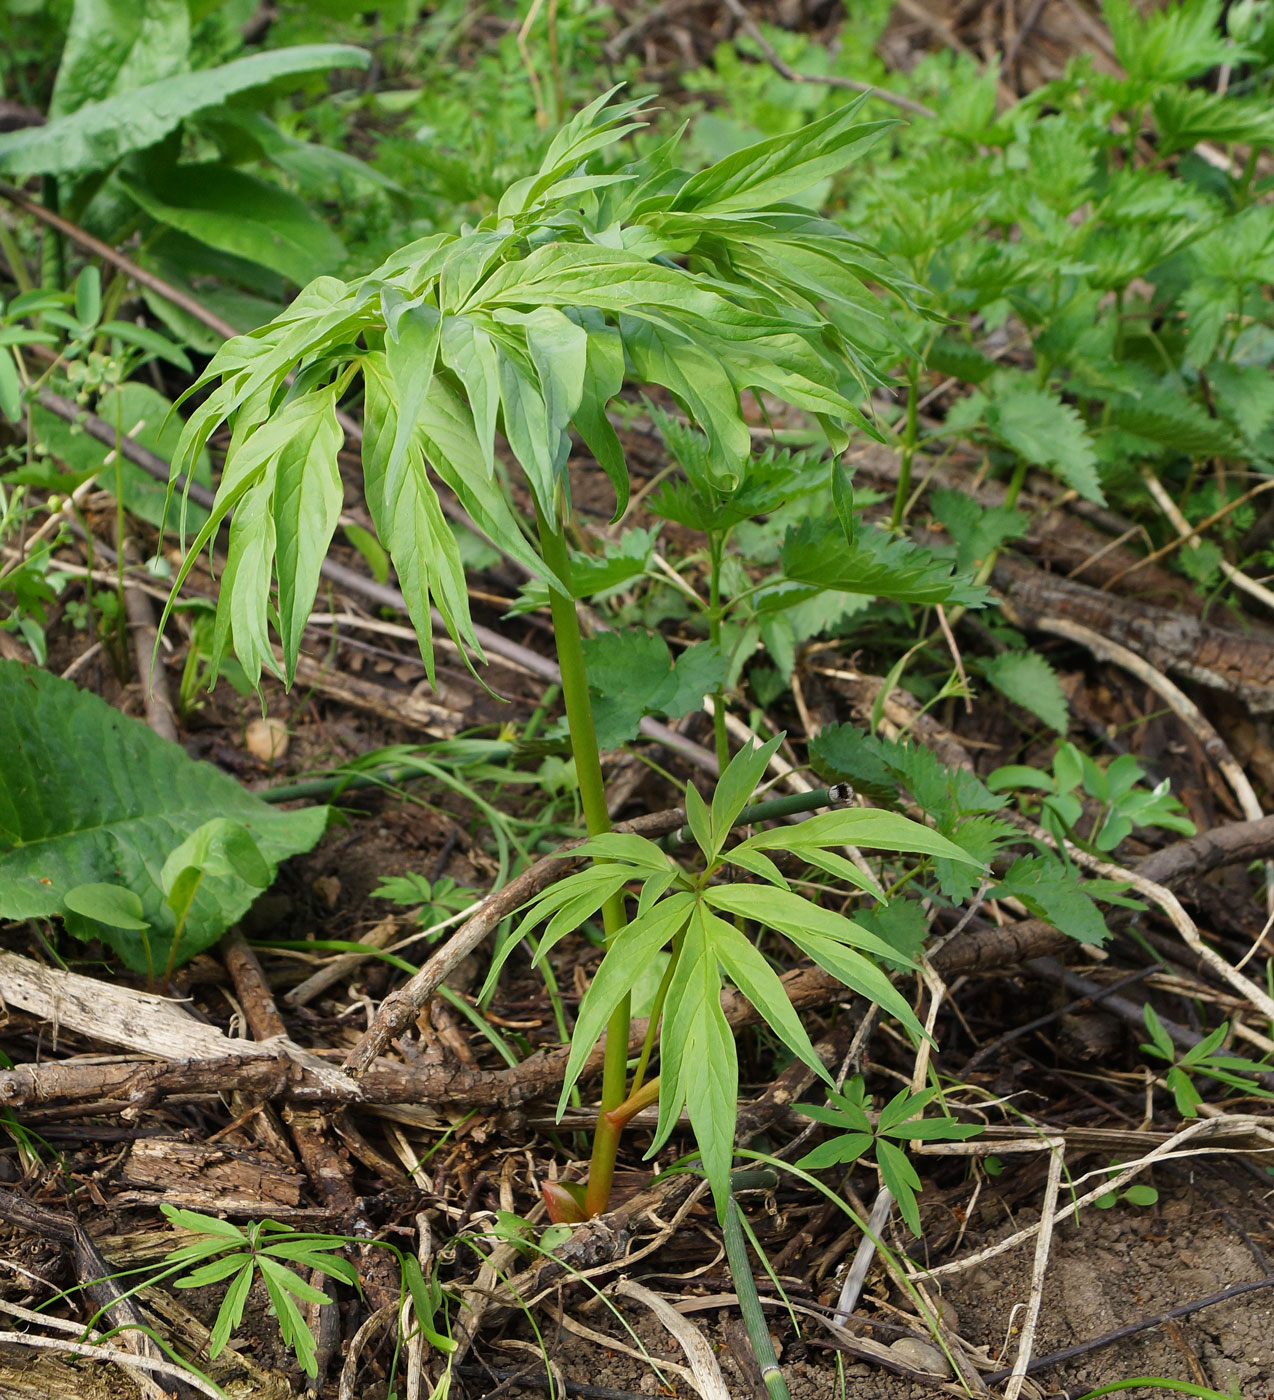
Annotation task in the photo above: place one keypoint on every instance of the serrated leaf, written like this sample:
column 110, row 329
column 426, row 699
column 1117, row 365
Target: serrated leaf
column 816, row 552
column 902, row 924
column 1052, row 892
column 1028, row 680
column 1175, row 424
column 1038, row 426
column 1185, row 116
column 64, row 822
column 632, row 674
column 1245, row 395
column 843, row 753
column 976, row 530
column 1165, row 46
column 287, row 499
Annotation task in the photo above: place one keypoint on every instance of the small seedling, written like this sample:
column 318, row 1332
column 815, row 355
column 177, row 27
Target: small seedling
column 1201, row 1059
column 264, row 1249
column 901, row 1120
column 1138, row 1194
column 1124, row 804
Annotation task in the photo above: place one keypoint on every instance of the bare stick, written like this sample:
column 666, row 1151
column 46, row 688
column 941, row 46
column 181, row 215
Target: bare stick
column 1189, row 533
column 118, row 260
column 1043, row 1245
column 86, row 1352
column 1165, row 1151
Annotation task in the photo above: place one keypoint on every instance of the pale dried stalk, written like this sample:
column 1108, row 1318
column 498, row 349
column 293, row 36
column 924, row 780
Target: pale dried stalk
column 1188, row 532
column 86, row 1352
column 382, row 1317
column 1163, row 1153
column 1182, row 706
column 707, row 1377
column 1043, row 1245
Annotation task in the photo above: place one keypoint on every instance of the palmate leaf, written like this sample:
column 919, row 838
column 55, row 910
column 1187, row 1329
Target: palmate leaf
column 631, row 673
column 698, row 1064
column 619, row 969
column 527, row 326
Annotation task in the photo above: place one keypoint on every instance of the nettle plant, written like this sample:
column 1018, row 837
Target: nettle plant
column 526, row 327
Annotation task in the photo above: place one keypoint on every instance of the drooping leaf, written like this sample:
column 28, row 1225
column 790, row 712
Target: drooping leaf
column 699, row 1067
column 66, row 821
column 242, row 215
column 98, row 133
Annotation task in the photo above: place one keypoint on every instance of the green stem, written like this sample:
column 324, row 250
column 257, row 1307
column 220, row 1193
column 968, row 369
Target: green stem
column 588, row 770
column 13, row 255
column 903, row 489
column 736, row 1251
column 656, row 1011
column 716, row 547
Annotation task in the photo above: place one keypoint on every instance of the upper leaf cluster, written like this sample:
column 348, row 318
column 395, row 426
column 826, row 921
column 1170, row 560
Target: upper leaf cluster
column 527, row 326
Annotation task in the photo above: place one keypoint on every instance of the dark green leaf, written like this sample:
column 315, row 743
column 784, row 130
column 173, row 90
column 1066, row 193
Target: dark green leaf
column 240, row 214
column 65, row 823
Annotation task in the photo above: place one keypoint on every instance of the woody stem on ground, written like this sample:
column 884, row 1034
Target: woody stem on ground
column 588, row 770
